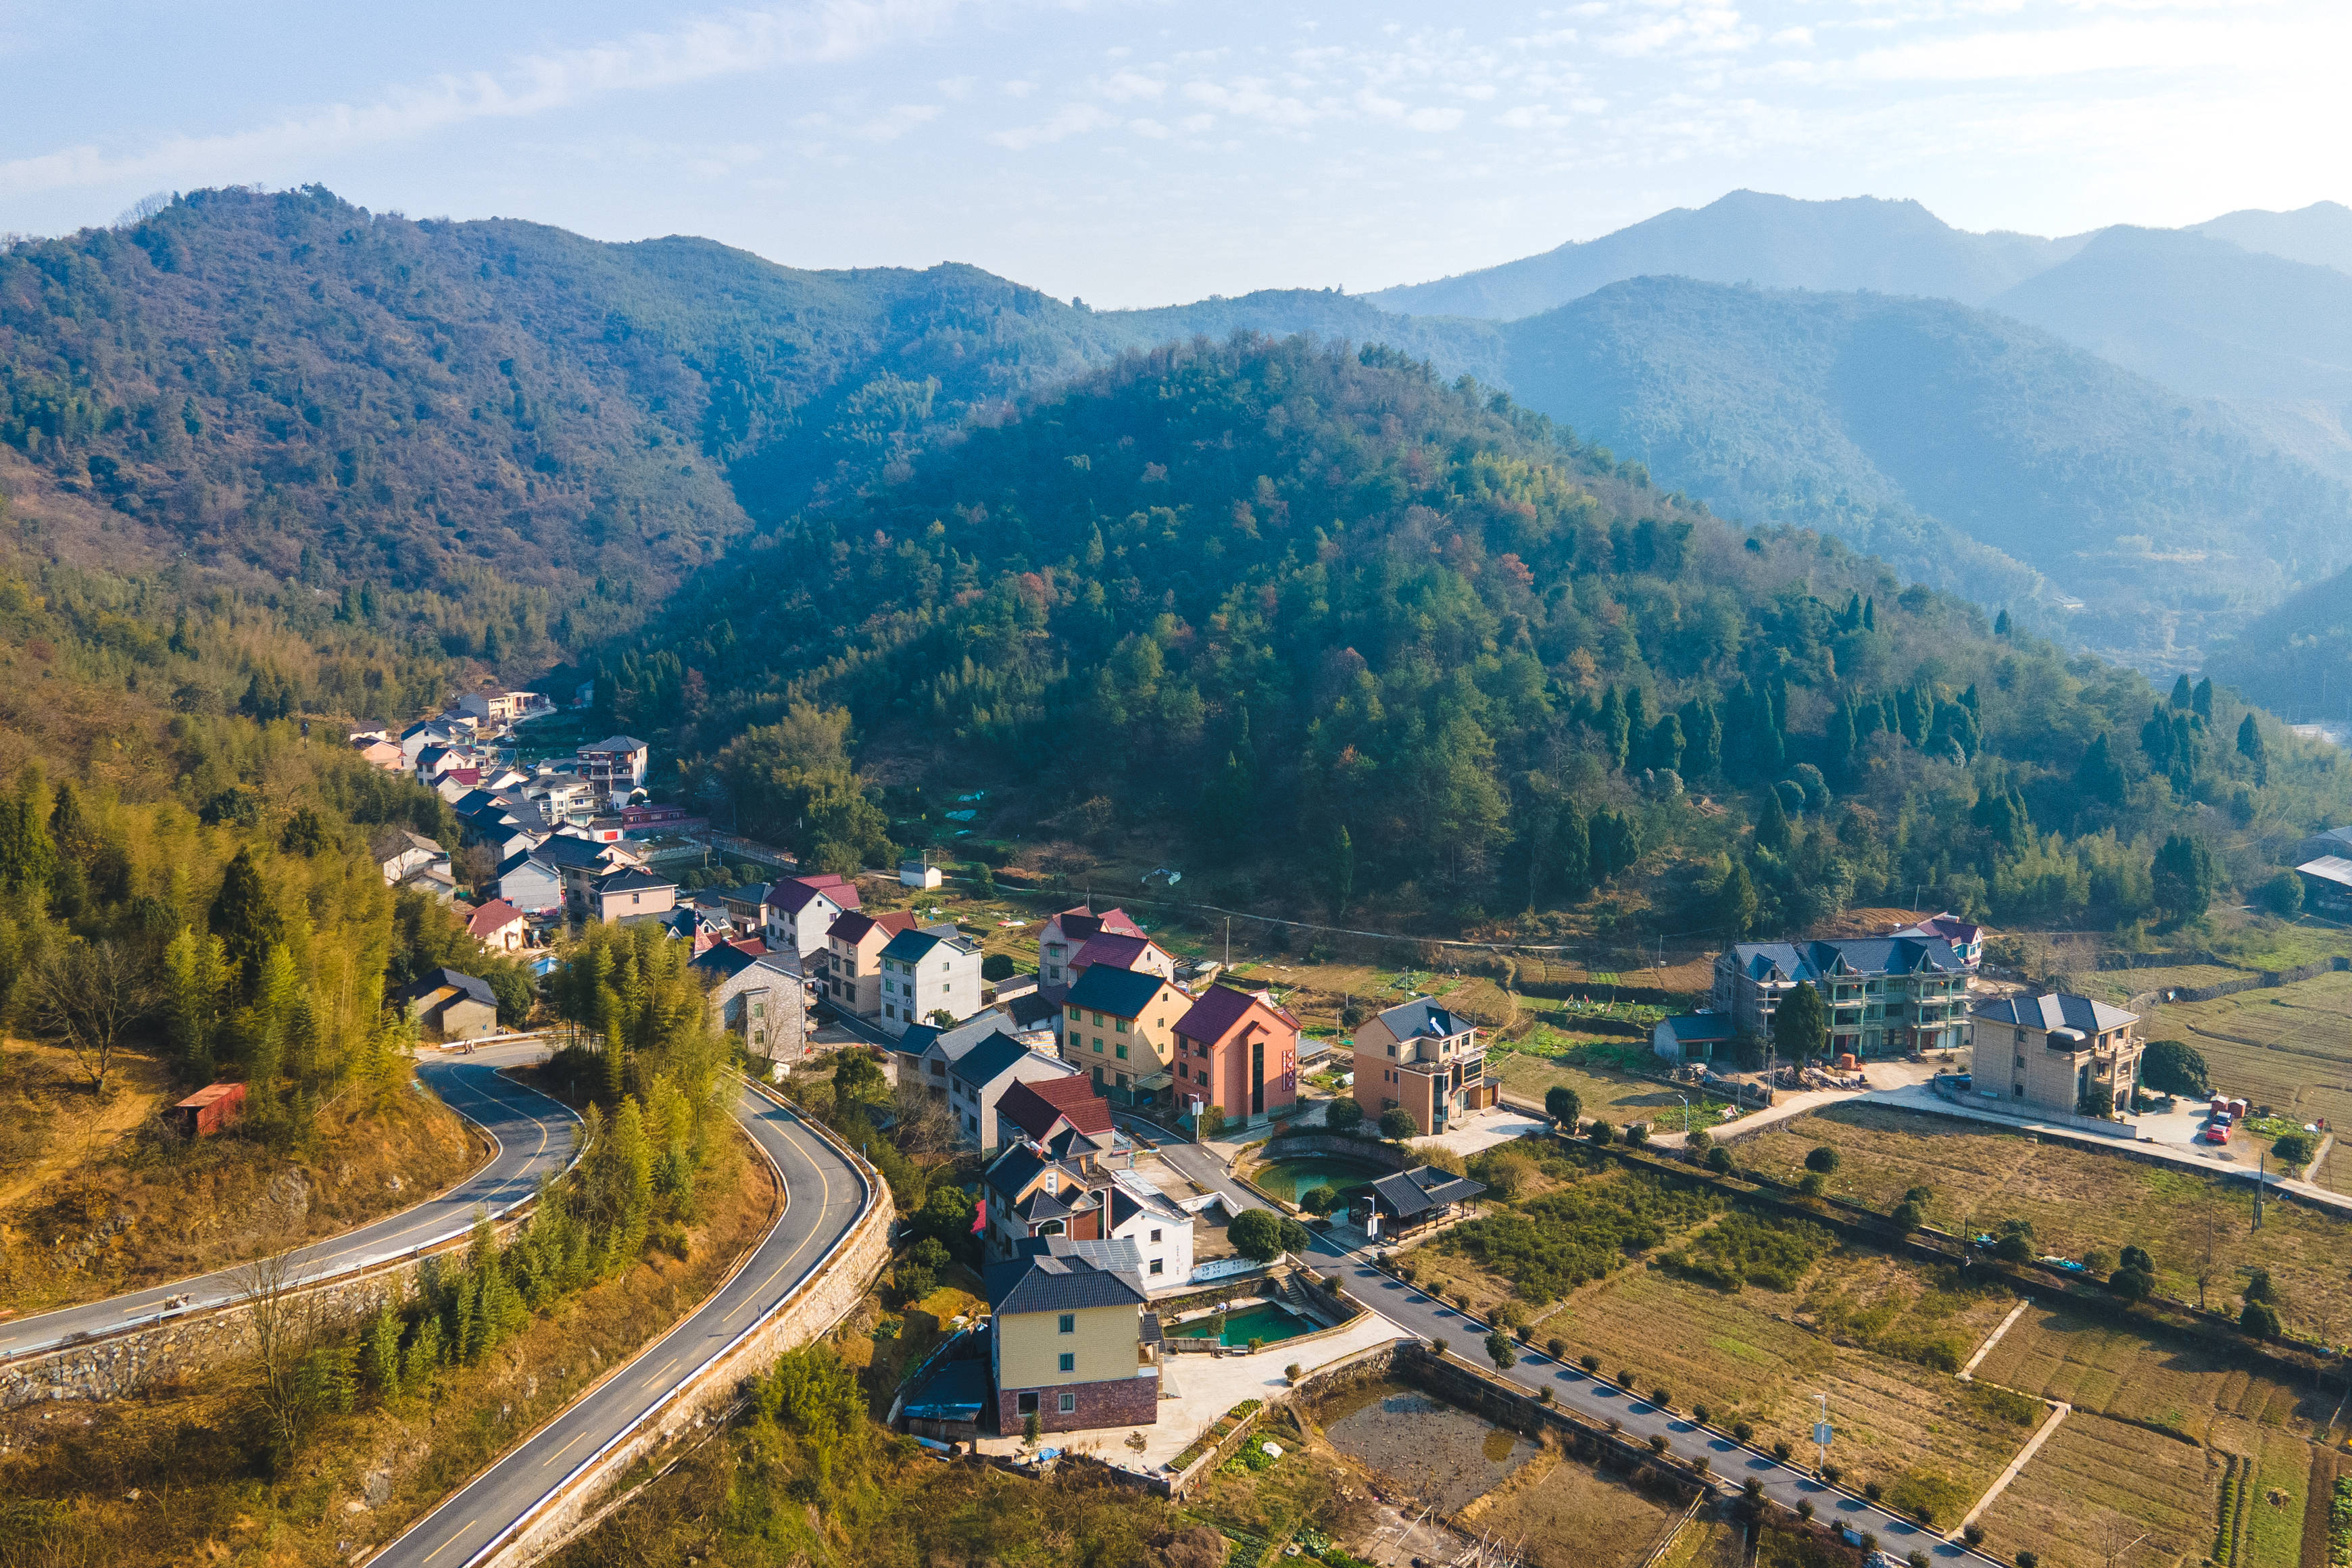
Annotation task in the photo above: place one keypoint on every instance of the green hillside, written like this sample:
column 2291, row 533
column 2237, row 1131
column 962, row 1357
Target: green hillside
column 2296, row 659
column 1280, row 611
column 1938, row 435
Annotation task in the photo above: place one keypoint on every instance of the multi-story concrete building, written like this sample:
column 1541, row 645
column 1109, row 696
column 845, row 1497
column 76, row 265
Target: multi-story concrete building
column 2067, row 1055
column 1425, row 1058
column 927, row 975
column 1070, row 931
column 1118, row 1025
column 850, row 973
column 614, row 766
column 979, row 1077
column 1072, row 1337
column 1238, row 1051
column 1886, row 996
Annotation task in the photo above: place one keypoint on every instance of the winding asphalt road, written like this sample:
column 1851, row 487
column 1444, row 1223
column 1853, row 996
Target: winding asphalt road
column 1416, row 1312
column 531, row 1133
column 824, row 1193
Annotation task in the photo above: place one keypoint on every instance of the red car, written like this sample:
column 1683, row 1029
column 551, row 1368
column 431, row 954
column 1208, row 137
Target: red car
column 2218, row 1134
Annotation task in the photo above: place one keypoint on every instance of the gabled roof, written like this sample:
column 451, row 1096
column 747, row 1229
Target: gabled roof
column 1116, row 949
column 631, row 880
column 1948, row 926
column 445, row 979
column 914, row 946
column 579, row 854
column 1423, row 1188
column 1054, row 1273
column 1035, row 1107
column 1080, row 924
column 2328, row 869
column 494, row 916
column 1219, row 1008
column 387, row 842
column 839, row 889
column 793, row 896
column 727, row 960
column 617, row 743
column 1122, row 993
column 521, row 858
column 1032, row 1010
column 2056, row 1011
column 956, row 1042
column 852, row 927
column 1424, row 1018
column 1787, row 961
column 994, row 1057
column 1696, row 1028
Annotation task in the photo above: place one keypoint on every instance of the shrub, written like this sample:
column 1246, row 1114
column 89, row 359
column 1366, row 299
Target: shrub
column 1657, row 1443
column 1615, row 1425
column 1462, row 1299
column 1601, row 1133
column 1661, row 1397
column 1907, row 1217
column 2028, row 1560
column 1741, row 1431
column 1524, row 1334
column 1256, row 1345
column 1870, row 1544
column 1319, row 1200
column 1549, row 1245
column 1637, row 1133
column 1822, row 1159
column 1545, row 1395
column 1405, row 1271
column 2097, row 1261
column 1562, row 1104
column 1973, row 1534
column 2260, row 1320
column 1294, row 1372
column 1780, row 1450
column 1590, row 1364
column 1871, row 1489
column 1812, row 1184
column 1718, row 1160
column 1702, row 1465
column 1555, row 1347
column 1918, row 1560
column 996, row 966
column 1398, row 1124
column 1805, row 1510
column 1342, row 1115
column 2293, row 1149
column 1500, row 1352
column 1751, row 1248
column 1624, row 1379
column 1697, row 1143
column 1031, row 1428
column 1831, row 1472
column 1698, row 1414
column 1439, row 1344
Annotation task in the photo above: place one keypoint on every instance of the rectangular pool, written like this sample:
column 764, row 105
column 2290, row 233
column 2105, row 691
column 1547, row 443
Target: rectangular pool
column 1266, row 1321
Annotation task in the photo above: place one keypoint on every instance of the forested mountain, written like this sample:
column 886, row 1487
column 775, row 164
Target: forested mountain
column 1273, row 606
column 1748, row 237
column 2320, row 233
column 1939, row 436
column 2296, row 657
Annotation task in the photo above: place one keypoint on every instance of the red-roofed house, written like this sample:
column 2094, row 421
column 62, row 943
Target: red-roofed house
column 496, row 925
column 1967, row 938
column 850, row 970
column 801, row 912
column 1071, row 930
column 1119, row 950
column 1046, row 1110
column 1238, row 1051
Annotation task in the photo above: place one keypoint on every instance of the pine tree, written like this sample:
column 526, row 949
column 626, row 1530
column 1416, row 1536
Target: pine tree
column 2100, row 778
column 2000, row 625
column 2185, row 876
column 2201, row 701
column 1772, row 829
column 1870, row 614
column 1572, row 854
column 2181, row 696
column 246, row 918
column 1637, row 720
column 1838, row 742
column 1343, row 873
column 1702, row 740
column 2250, row 746
column 28, row 858
column 1613, row 727
column 1735, row 902
column 1666, row 746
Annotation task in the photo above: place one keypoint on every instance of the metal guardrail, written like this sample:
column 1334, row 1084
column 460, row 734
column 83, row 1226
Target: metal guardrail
column 867, row 1177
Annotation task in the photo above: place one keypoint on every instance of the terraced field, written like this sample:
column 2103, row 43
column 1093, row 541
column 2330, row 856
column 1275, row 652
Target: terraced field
column 2077, row 1199
column 2099, row 1485
column 2057, row 1353
column 2289, row 1046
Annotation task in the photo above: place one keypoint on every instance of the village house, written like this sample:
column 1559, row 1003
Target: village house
column 627, row 893
column 1885, row 996
column 1238, row 1051
column 1406, row 1201
column 1072, row 1337
column 530, row 883
column 1966, row 937
column 1070, row 931
column 1063, row 1117
column 927, row 973
column 1119, row 1026
column 400, row 854
column 614, row 767
column 499, row 926
column 502, row 707
column 1120, row 951
column 1426, row 1059
column 979, row 1079
column 760, row 998
column 450, row 1006
column 2064, row 1055
column 851, row 977
column 1693, row 1037
column 801, row 909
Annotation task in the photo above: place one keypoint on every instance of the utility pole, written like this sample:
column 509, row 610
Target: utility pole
column 1822, row 1434
column 1229, row 942
column 2262, row 1178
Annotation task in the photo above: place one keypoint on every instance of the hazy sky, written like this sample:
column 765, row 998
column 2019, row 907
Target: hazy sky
column 1144, row 153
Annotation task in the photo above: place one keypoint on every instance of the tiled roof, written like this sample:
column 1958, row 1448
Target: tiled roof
column 617, row 743
column 1420, row 1016
column 1423, row 1188
column 852, row 927
column 1080, row 924
column 1036, row 1106
column 1054, row 1273
column 1122, row 993
column 994, row 1057
column 449, row 979
column 1220, row 1008
column 1692, row 1027
column 793, row 896
column 1791, row 961
column 632, row 880
column 914, row 946
column 1116, row 949
column 2056, row 1011
column 492, row 917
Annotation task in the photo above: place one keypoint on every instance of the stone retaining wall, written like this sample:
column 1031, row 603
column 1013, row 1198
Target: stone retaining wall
column 709, row 1396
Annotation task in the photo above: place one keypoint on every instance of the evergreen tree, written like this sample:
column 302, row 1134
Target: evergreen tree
column 2250, row 746
column 2100, row 778
column 2201, row 701
column 2185, row 876
column 1736, row 904
column 1666, row 745
column 1637, row 720
column 2000, row 625
column 1572, row 855
column 246, row 918
column 1839, row 741
column 2181, row 696
column 1870, row 614
column 28, row 858
column 1343, row 873
column 1772, row 829
column 1615, row 729
column 1702, row 740
column 1800, row 1023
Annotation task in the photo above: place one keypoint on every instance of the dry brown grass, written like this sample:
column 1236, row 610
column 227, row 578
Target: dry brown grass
column 1570, row 1516
column 192, row 1453
column 2096, row 1485
column 115, row 1212
column 2287, row 1046
column 2064, row 1354
column 2077, row 1199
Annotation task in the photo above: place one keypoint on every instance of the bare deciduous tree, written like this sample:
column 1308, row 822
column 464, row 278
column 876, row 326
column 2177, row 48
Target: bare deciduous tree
column 288, row 1325
column 921, row 1126
column 88, row 996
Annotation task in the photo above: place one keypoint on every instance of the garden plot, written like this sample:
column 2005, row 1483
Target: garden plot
column 1616, row 1097
column 2116, row 987
column 2077, row 1199
column 2288, row 1047
column 2263, row 1503
column 2063, row 1354
column 1568, row 1515
column 2097, row 1486
column 1920, row 1435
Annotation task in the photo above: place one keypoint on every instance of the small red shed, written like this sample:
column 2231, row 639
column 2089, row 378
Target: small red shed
column 209, row 1109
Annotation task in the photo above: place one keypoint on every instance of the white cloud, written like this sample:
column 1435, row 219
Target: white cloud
column 739, row 42
column 1126, row 86
column 1072, row 119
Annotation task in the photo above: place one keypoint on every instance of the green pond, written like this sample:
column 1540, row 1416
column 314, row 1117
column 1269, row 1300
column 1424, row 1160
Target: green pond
column 1266, row 1321
column 1286, row 1179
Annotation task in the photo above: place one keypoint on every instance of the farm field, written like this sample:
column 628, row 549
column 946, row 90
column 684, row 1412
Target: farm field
column 1614, row 1097
column 2116, row 985
column 2098, row 1485
column 2289, row 1046
column 1921, row 1435
column 2268, row 1519
column 1571, row 1516
column 2077, row 1199
column 2062, row 1355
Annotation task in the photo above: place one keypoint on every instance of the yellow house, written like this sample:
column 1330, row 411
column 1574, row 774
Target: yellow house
column 1119, row 1025
column 1072, row 1337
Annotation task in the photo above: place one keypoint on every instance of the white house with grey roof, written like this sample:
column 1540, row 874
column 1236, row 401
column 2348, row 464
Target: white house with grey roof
column 927, row 972
column 1885, row 996
column 978, row 1081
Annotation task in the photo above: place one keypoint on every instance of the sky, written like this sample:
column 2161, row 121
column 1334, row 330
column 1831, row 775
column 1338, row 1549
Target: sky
column 1147, row 152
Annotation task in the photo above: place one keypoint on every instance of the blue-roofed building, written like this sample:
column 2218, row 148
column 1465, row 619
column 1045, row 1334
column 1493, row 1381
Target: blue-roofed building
column 1886, row 996
column 1119, row 1025
column 927, row 973
column 1693, row 1037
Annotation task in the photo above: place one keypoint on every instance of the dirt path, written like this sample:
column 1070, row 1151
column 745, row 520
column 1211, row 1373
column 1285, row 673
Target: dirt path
column 85, row 1128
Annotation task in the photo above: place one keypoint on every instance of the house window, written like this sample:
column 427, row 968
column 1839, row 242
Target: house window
column 1155, row 1239
column 1119, row 1026
column 1027, row 1404
column 1068, row 1325
column 1155, row 1262
column 1070, row 1401
column 1122, row 1053
column 2020, row 1062
column 1098, row 1020
column 1074, row 1015
column 1069, row 1364
column 1099, row 1045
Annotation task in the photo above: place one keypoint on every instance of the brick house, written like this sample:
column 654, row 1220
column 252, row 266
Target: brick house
column 1072, row 1337
column 2066, row 1055
column 1425, row 1058
column 1236, row 1051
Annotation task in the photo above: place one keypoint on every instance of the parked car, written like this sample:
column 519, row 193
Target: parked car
column 2218, row 1134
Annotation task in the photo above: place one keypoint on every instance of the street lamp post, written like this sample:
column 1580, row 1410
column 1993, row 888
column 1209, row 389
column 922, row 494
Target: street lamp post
column 1686, row 1099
